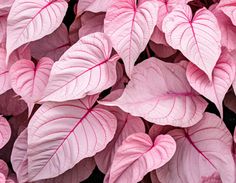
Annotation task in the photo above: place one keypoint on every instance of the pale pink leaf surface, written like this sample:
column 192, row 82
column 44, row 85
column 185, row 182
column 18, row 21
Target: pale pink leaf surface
column 203, row 150
column 5, row 132
column 126, row 125
column 29, row 81
column 31, row 20
column 95, row 6
column 3, row 168
column 222, row 78
column 78, row 173
column 91, row 23
column 71, row 129
column 4, row 73
column 19, row 157
column 85, row 69
column 52, row 45
column 230, row 101
column 11, row 104
column 229, row 8
column 228, row 30
column 130, row 27
column 165, row 7
column 166, row 100
column 139, row 155
column 194, row 35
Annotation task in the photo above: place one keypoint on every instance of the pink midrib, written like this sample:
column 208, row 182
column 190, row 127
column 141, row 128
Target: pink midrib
column 106, row 60
column 81, row 119
column 198, row 150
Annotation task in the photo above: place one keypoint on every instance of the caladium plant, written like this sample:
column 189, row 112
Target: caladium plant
column 117, row 91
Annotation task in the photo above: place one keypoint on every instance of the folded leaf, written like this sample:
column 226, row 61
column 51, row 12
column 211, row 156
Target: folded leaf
column 222, row 78
column 203, row 151
column 29, row 21
column 159, row 92
column 85, row 69
column 126, row 125
column 63, row 134
column 138, row 155
column 127, row 26
column 229, row 8
column 29, row 81
column 5, row 132
column 194, row 35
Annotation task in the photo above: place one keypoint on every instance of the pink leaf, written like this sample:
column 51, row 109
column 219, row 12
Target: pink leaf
column 52, row 45
column 126, row 125
column 138, row 155
column 161, row 50
column 91, row 23
column 71, row 129
column 194, row 35
column 166, row 100
column 126, row 24
column 74, row 30
column 19, row 157
column 3, row 29
column 29, row 21
column 228, row 30
column 78, row 173
column 230, row 101
column 165, row 7
column 4, row 74
column 11, row 104
column 203, row 150
column 95, row 6
column 5, row 132
column 85, row 69
column 5, row 6
column 158, row 36
column 229, row 8
column 3, row 168
column 222, row 78
column 29, row 81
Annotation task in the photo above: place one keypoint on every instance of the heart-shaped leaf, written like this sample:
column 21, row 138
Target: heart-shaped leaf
column 203, row 150
column 138, row 155
column 127, row 26
column 85, row 69
column 160, row 93
column 222, row 78
column 29, row 21
column 29, row 81
column 126, row 125
column 62, row 134
column 194, row 35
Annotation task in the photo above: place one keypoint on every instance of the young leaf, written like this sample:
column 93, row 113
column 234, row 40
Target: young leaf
column 85, row 69
column 30, row 20
column 29, row 81
column 62, row 134
column 138, row 155
column 3, row 168
column 222, row 78
column 127, row 26
column 52, row 45
column 203, row 150
column 5, row 132
column 159, row 92
column 126, row 125
column 194, row 35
